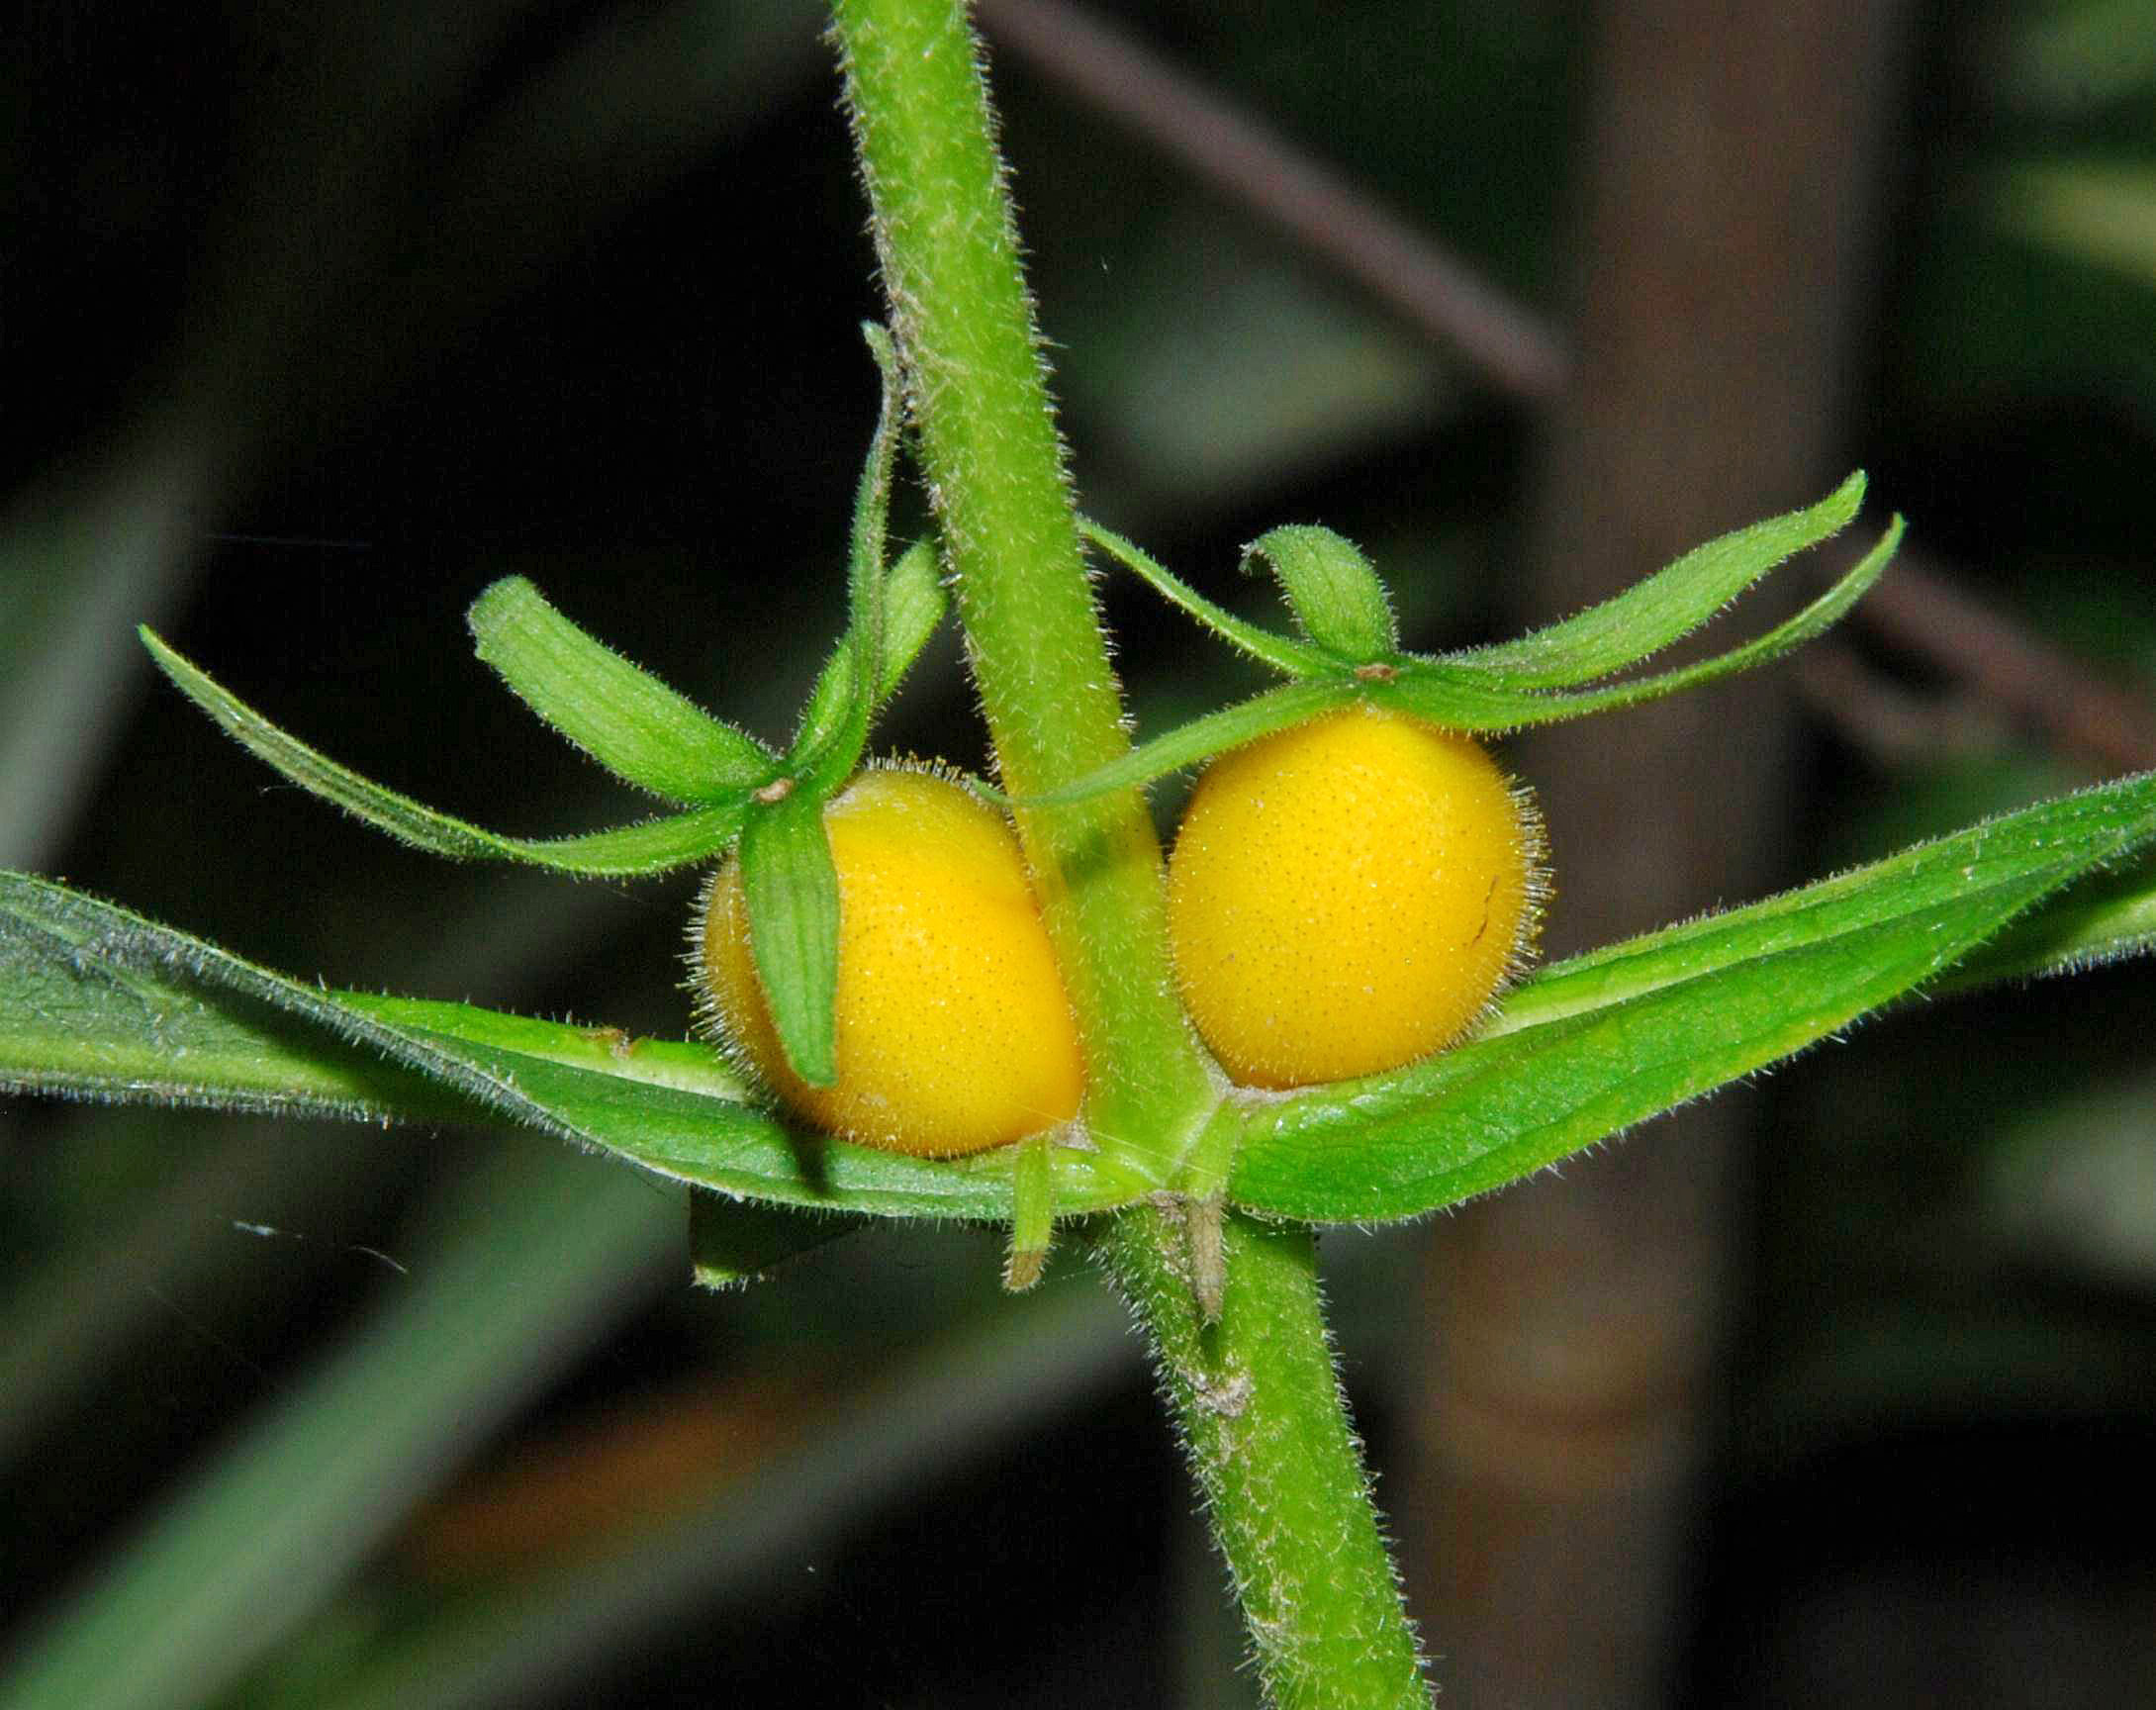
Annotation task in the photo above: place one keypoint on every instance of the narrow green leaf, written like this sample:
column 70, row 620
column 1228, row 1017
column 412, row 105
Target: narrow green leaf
column 736, row 1242
column 97, row 1002
column 1275, row 709
column 1289, row 657
column 843, row 729
column 791, row 888
column 1332, row 589
column 626, row 719
column 653, row 846
column 1650, row 614
column 1439, row 691
column 1593, row 1045
column 914, row 602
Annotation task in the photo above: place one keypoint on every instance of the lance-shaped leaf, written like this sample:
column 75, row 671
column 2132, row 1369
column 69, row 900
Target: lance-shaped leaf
column 652, row 846
column 913, row 605
column 98, row 1003
column 1650, row 614
column 626, row 719
column 829, row 746
column 789, row 889
column 1331, row 588
column 1588, row 1047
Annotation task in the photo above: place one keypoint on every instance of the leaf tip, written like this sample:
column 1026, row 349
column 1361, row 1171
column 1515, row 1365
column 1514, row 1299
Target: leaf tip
column 485, row 615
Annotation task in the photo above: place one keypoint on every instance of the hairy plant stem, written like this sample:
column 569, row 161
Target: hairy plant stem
column 1258, row 1408
column 996, row 475
column 1254, row 1393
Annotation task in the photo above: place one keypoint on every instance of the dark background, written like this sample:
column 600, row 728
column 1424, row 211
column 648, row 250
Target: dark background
column 312, row 324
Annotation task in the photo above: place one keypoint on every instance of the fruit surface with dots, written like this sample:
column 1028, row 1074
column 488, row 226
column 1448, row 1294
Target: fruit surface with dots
column 1348, row 896
column 953, row 1032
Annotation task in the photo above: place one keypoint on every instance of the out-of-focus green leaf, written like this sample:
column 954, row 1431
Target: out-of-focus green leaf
column 626, row 719
column 1046, row 1355
column 1593, row 1045
column 2076, row 56
column 652, row 846
column 96, row 1002
column 2098, row 212
column 510, row 1288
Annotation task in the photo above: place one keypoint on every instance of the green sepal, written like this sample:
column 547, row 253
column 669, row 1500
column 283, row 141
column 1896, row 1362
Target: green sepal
column 790, row 888
column 1445, row 690
column 1278, row 709
column 1033, row 1211
column 628, row 851
column 1668, row 605
column 626, row 719
column 1331, row 588
column 1285, row 655
column 914, row 604
column 836, row 730
column 736, row 1242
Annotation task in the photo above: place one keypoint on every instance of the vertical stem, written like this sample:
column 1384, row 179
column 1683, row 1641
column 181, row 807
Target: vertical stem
column 996, row 471
column 1258, row 1405
column 1254, row 1392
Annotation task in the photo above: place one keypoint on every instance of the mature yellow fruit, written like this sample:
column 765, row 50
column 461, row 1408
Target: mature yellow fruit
column 953, row 1032
column 1348, row 896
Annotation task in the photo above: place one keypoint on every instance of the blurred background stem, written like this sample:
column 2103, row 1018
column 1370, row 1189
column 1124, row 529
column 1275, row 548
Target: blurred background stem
column 1575, row 1333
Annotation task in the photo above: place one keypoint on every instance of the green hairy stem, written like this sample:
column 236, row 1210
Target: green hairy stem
column 1255, row 1394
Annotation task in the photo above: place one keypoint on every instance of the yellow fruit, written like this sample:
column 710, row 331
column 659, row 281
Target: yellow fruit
column 1348, row 896
column 953, row 1033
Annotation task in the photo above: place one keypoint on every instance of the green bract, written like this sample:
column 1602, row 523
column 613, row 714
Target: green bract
column 1350, row 652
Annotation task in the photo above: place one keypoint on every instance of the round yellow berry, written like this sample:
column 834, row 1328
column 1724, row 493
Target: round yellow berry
column 953, row 1033
column 1348, row 896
